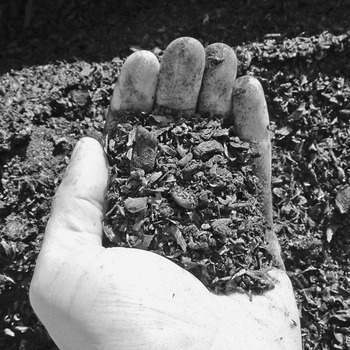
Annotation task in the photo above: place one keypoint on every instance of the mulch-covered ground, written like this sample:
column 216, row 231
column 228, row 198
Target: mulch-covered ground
column 59, row 61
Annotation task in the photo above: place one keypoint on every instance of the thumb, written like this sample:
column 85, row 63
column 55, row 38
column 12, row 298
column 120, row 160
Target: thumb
column 78, row 204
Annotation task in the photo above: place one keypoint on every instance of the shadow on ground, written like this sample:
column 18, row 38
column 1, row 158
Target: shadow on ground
column 37, row 32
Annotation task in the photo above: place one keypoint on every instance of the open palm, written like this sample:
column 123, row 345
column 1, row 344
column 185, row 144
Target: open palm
column 90, row 297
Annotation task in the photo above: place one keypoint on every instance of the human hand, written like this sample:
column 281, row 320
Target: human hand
column 90, row 297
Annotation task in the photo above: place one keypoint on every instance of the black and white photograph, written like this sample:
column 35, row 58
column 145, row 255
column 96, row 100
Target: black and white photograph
column 174, row 175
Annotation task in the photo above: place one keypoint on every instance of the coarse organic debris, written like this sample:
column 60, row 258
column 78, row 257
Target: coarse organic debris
column 81, row 46
column 197, row 205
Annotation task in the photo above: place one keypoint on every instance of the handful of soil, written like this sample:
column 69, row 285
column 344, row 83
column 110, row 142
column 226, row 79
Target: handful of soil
column 186, row 189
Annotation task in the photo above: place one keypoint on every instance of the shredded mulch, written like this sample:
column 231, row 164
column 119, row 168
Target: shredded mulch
column 186, row 189
column 59, row 62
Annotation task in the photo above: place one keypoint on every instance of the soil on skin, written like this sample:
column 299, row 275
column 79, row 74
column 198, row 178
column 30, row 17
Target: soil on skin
column 59, row 61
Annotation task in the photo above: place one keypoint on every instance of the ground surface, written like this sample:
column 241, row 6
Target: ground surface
column 58, row 63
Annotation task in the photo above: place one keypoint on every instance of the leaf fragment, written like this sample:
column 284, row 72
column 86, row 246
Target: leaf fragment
column 135, row 205
column 342, row 199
